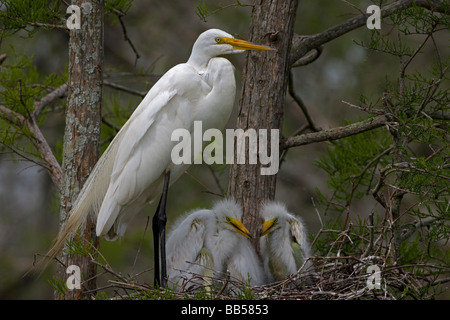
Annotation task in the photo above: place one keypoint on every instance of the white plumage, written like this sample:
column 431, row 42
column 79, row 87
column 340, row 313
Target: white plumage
column 210, row 243
column 283, row 244
column 130, row 173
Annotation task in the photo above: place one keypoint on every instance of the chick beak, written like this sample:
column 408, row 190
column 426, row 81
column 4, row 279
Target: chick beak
column 239, row 227
column 268, row 225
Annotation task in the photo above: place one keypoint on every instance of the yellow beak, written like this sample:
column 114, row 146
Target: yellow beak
column 239, row 227
column 242, row 44
column 268, row 225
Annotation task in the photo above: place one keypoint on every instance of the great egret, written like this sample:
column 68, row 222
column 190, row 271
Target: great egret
column 137, row 164
column 210, row 243
column 283, row 243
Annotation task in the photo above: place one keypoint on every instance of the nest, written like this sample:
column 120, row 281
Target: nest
column 331, row 278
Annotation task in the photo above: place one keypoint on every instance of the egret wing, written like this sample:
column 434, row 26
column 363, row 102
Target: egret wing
column 300, row 247
column 186, row 251
column 145, row 145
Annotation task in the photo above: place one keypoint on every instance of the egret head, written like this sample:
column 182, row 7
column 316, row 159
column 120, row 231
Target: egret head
column 215, row 42
column 276, row 217
column 229, row 214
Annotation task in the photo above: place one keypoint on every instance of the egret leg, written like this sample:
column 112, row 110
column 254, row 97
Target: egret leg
column 155, row 228
column 159, row 235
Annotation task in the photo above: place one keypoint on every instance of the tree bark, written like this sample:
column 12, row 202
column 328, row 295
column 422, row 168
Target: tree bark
column 262, row 101
column 82, row 131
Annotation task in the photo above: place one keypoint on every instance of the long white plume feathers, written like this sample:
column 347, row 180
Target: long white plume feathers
column 89, row 200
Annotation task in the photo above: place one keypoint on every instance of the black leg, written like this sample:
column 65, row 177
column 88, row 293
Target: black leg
column 159, row 235
column 155, row 228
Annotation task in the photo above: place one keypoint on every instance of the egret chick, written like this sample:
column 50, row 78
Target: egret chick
column 211, row 242
column 283, row 243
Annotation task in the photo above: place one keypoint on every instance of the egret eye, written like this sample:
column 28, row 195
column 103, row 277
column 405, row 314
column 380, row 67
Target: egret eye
column 218, row 40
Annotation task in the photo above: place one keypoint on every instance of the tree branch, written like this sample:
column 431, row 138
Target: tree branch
column 3, row 57
column 59, row 92
column 11, row 116
column 123, row 88
column 300, row 103
column 46, row 152
column 120, row 15
column 308, row 58
column 38, row 138
column 334, row 133
column 302, row 45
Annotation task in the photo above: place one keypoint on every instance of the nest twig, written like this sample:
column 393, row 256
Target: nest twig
column 331, row 278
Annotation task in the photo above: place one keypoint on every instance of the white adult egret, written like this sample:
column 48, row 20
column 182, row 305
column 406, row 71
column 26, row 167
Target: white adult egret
column 283, row 243
column 210, row 242
column 137, row 165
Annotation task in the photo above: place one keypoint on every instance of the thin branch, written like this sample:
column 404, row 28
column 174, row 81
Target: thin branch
column 123, row 88
column 120, row 15
column 305, row 44
column 365, row 109
column 300, row 103
column 48, row 25
column 216, row 180
column 334, row 133
column 203, row 13
column 11, row 116
column 3, row 57
column 371, row 231
column 38, row 139
column 207, row 190
column 110, row 124
column 308, row 58
column 353, row 6
column 46, row 152
column 417, row 225
column 127, row 39
column 58, row 93
column 23, row 155
column 412, row 56
column 140, row 244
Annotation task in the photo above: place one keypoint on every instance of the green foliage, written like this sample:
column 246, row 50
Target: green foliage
column 116, row 8
column 21, row 86
column 203, row 12
column 59, row 285
column 418, row 20
column 350, row 164
column 399, row 172
column 30, row 15
column 18, row 83
column 78, row 246
column 115, row 114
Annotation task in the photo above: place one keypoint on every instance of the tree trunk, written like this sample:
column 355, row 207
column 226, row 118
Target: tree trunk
column 82, row 131
column 262, row 101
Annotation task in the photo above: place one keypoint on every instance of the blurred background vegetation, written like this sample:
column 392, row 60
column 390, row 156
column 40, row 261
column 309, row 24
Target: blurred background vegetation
column 162, row 33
